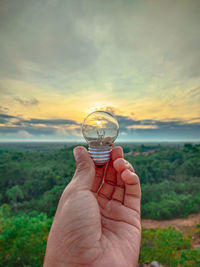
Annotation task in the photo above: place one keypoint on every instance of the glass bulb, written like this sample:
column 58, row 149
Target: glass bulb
column 100, row 129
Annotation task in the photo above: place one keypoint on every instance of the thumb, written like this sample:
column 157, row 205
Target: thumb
column 85, row 169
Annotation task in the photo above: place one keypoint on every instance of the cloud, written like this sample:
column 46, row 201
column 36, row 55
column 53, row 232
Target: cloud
column 155, row 130
column 50, row 43
column 126, row 122
column 130, row 129
column 194, row 93
column 112, row 40
column 35, row 131
column 20, row 133
column 50, row 121
column 31, row 102
column 3, row 109
column 142, row 127
column 69, row 131
column 15, row 126
column 4, row 118
column 137, row 55
column 33, row 121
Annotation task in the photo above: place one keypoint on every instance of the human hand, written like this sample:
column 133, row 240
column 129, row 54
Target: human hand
column 97, row 227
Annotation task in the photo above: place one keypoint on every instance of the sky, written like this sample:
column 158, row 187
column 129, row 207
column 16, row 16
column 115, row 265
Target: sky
column 62, row 59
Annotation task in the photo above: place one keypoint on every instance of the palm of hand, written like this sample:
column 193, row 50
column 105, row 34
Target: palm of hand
column 103, row 226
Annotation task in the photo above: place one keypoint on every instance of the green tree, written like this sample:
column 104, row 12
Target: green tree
column 163, row 245
column 23, row 240
column 190, row 257
column 15, row 194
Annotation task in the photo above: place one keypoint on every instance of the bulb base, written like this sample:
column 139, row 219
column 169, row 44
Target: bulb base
column 100, row 154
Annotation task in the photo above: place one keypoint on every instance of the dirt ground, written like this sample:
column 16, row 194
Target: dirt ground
column 186, row 225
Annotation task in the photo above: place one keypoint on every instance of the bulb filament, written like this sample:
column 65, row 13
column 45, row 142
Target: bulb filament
column 101, row 134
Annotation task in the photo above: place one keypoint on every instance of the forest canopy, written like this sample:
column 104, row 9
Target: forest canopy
column 34, row 180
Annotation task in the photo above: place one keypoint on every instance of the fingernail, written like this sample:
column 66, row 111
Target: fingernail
column 77, row 153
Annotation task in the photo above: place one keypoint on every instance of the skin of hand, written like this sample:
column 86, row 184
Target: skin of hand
column 97, row 222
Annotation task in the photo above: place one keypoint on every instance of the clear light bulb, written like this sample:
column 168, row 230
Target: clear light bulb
column 100, row 129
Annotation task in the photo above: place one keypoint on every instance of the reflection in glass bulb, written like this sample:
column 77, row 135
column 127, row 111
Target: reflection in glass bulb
column 100, row 129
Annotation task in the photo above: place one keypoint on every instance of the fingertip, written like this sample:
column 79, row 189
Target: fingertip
column 77, row 152
column 79, row 148
column 117, row 152
column 121, row 164
column 80, row 152
column 129, row 177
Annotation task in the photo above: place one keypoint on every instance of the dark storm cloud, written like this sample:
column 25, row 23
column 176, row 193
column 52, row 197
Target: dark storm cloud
column 31, row 102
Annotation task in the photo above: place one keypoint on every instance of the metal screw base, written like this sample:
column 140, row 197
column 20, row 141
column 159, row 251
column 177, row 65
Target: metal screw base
column 100, row 154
